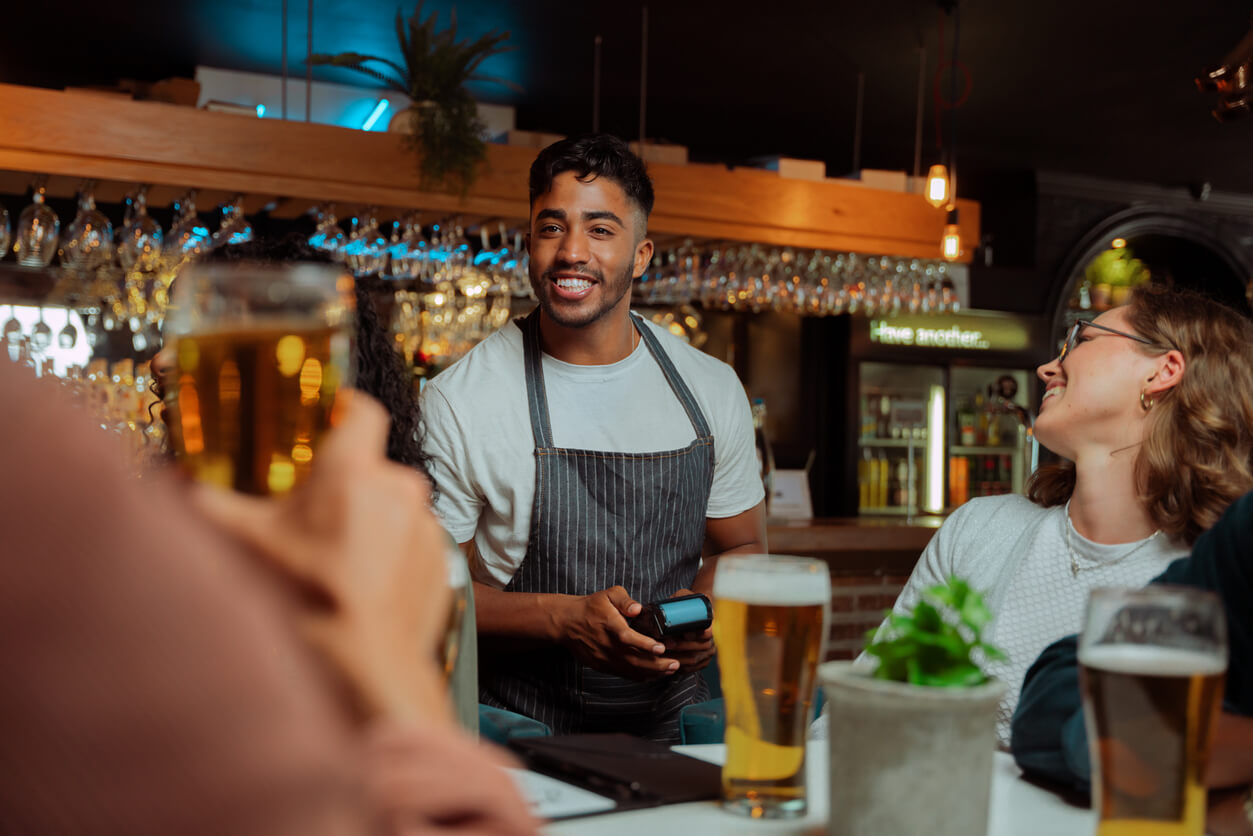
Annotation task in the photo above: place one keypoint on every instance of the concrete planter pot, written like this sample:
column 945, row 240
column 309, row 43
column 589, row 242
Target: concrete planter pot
column 908, row 759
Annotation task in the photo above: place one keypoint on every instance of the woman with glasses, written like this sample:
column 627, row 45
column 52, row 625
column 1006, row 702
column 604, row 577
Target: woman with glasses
column 1150, row 407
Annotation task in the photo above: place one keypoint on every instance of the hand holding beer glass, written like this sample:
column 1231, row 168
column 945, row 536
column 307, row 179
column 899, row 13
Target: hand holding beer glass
column 770, row 625
column 263, row 352
column 1152, row 666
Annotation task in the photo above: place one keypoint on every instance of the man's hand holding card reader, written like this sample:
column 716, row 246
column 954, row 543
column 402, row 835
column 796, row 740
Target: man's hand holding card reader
column 675, row 616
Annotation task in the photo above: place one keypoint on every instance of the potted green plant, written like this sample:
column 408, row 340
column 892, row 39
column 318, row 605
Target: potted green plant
column 912, row 740
column 1111, row 274
column 445, row 130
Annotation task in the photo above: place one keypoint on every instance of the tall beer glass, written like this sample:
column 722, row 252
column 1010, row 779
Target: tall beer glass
column 1152, row 664
column 263, row 352
column 770, row 625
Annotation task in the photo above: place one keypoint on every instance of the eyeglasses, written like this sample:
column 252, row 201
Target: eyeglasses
column 1072, row 337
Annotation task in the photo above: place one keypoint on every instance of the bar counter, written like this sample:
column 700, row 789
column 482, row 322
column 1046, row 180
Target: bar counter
column 856, row 545
column 870, row 559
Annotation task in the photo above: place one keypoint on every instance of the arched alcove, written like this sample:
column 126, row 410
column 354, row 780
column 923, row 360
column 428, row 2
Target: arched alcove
column 1175, row 248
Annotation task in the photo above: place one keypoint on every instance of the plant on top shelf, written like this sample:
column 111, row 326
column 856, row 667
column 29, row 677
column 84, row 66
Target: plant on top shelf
column 446, row 131
column 939, row 643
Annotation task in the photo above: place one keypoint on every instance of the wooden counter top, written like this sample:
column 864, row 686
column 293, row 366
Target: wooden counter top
column 856, row 546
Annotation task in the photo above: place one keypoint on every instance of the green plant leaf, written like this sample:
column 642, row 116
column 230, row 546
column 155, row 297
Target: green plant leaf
column 927, row 618
column 933, row 644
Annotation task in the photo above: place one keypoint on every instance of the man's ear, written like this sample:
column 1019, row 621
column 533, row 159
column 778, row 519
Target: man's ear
column 1170, row 369
column 643, row 255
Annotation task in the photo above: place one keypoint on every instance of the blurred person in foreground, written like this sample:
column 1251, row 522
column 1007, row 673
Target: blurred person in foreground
column 380, row 373
column 1049, row 738
column 591, row 462
column 179, row 659
column 1151, row 408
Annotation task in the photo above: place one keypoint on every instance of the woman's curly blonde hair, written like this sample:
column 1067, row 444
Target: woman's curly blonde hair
column 1197, row 456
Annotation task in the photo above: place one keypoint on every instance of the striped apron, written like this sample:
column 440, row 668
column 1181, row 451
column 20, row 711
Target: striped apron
column 599, row 519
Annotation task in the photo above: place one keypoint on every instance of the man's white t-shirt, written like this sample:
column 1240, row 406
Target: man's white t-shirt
column 478, row 434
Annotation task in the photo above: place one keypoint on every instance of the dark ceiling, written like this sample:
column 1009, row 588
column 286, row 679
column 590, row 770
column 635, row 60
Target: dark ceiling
column 1102, row 87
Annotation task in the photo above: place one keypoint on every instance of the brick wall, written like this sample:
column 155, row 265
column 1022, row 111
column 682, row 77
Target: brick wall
column 857, row 605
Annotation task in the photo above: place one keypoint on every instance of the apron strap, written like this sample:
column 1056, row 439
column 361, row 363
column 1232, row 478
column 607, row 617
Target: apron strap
column 536, row 397
column 673, row 377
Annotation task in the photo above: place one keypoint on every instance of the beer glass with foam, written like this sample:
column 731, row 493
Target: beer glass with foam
column 1152, row 663
column 263, row 352
column 770, row 625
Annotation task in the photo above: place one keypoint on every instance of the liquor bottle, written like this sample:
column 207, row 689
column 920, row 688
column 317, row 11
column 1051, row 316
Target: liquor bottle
column 883, row 428
column 963, row 481
column 900, row 496
column 966, row 423
column 881, row 496
column 994, row 426
column 868, row 426
column 864, row 468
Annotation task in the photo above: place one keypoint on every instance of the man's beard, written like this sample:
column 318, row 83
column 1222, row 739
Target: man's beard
column 611, row 293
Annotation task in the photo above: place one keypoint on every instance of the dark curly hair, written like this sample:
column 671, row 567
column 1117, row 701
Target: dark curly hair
column 591, row 156
column 381, row 371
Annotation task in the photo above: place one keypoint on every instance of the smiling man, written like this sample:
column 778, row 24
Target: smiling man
column 585, row 459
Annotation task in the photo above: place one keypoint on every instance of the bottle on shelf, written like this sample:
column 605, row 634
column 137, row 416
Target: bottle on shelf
column 883, row 426
column 966, row 423
column 881, row 480
column 981, row 421
column 868, row 426
column 864, row 468
column 958, row 480
column 993, row 421
column 1005, row 473
column 900, row 485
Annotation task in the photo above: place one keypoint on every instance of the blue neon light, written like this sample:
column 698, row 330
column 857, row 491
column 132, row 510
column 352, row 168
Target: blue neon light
column 375, row 115
column 260, row 111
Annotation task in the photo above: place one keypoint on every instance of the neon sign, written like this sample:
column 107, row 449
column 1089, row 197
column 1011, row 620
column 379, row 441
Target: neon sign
column 885, row 332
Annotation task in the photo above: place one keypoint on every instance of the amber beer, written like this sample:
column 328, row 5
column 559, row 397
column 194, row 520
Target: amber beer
column 1150, row 713
column 770, row 628
column 252, row 403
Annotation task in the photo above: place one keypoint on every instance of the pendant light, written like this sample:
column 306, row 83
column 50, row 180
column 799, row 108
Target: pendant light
column 937, row 185
column 951, row 243
column 941, row 185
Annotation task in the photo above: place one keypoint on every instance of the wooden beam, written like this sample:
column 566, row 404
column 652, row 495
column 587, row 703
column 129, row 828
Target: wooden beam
column 75, row 136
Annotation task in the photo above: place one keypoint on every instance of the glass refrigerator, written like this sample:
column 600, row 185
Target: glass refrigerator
column 944, row 407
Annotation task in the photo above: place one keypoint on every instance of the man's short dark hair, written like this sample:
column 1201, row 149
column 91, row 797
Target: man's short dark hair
column 591, row 156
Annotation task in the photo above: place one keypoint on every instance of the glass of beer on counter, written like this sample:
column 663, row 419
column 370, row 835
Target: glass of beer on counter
column 263, row 352
column 1152, row 664
column 770, row 625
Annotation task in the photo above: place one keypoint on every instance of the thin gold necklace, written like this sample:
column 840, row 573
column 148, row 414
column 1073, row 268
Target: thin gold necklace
column 1075, row 568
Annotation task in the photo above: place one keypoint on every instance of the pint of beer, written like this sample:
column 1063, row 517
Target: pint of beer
column 262, row 354
column 1152, row 667
column 770, row 625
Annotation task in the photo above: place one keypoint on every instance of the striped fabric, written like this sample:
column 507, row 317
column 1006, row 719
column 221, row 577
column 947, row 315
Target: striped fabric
column 600, row 519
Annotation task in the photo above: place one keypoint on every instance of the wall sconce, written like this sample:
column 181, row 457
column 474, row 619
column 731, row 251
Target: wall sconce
column 951, row 243
column 937, row 186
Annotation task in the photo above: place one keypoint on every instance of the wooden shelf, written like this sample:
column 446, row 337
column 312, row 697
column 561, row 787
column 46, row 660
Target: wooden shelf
column 75, row 134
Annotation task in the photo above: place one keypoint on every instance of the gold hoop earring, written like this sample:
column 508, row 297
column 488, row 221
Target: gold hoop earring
column 1146, row 403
